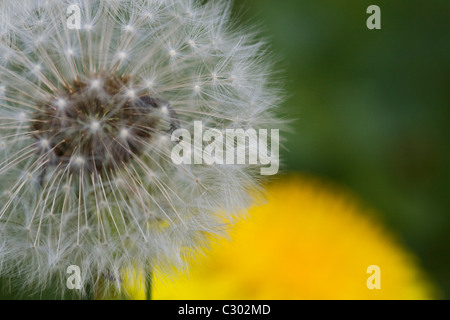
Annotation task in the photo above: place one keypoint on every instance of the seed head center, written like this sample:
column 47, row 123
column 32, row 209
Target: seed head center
column 96, row 124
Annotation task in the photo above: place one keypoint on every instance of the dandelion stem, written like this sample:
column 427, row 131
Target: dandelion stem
column 148, row 286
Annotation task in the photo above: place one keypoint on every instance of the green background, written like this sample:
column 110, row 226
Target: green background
column 372, row 108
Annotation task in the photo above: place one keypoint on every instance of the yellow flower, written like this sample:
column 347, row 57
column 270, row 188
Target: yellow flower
column 134, row 284
column 309, row 241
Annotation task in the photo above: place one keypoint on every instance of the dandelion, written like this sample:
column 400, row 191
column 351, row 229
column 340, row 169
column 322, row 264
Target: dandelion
column 86, row 115
column 319, row 246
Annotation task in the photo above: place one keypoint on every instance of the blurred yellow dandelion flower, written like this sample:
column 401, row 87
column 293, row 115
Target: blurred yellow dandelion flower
column 309, row 241
column 133, row 284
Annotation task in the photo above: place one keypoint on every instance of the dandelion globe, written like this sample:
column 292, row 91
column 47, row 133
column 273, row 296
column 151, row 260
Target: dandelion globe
column 91, row 93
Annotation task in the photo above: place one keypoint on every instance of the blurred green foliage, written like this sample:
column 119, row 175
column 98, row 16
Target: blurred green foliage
column 372, row 108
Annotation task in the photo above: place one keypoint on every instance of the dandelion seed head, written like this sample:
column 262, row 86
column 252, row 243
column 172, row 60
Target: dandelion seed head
column 69, row 52
column 164, row 110
column 40, row 39
column 122, row 55
column 61, row 103
column 37, row 68
column 124, row 133
column 131, row 93
column 85, row 172
column 95, row 125
column 22, row 116
column 129, row 28
column 95, row 84
column 44, row 143
column 78, row 160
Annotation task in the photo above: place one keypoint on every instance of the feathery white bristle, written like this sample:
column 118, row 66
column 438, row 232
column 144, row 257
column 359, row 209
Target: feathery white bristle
column 87, row 180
